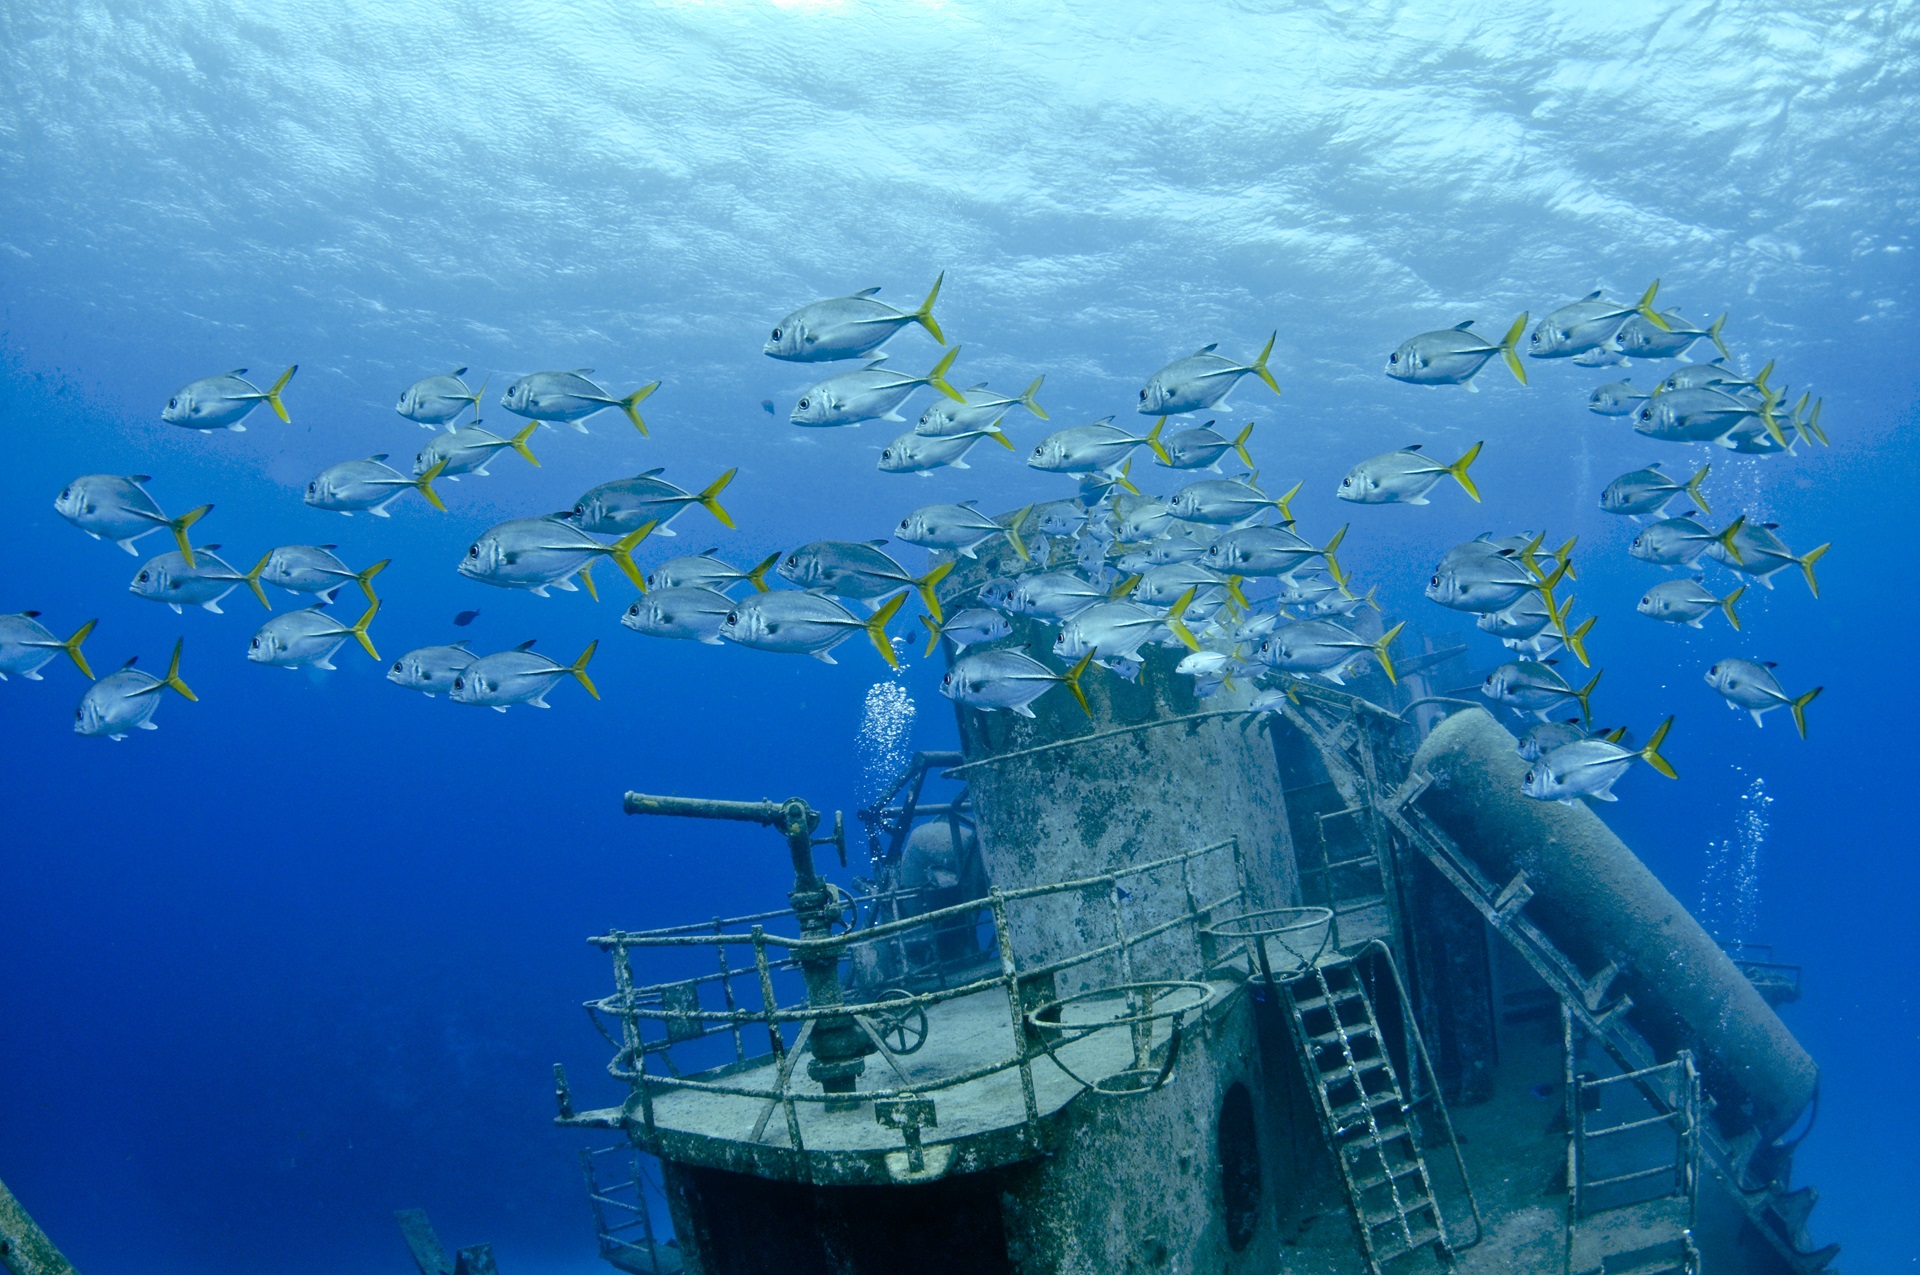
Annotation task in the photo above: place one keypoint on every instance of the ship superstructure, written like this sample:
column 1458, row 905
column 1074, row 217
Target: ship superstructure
column 1185, row 987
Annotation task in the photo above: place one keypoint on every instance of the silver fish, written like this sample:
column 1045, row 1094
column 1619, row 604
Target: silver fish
column 1600, row 356
column 26, row 645
column 1677, row 542
column 1648, row 491
column 1640, row 339
column 314, row 569
column 570, row 397
column 921, row 454
column 1201, row 380
column 626, row 504
column 1160, row 585
column 1525, row 616
column 370, row 484
column 1012, row 680
column 1059, row 517
column 1714, row 375
column 308, row 638
column 1686, row 602
column 970, row 627
column 851, row 570
column 126, row 701
column 978, row 408
column 1323, row 647
column 519, row 676
column 431, row 669
column 471, row 450
column 1115, row 629
column 1455, row 355
column 1753, row 687
column 1179, row 543
column 1143, row 517
column 1202, row 448
column 806, row 624
column 169, row 579
column 708, row 572
column 222, row 402
column 847, row 327
column 116, row 508
column 1270, row 551
column 1590, row 767
column 1052, row 595
column 1404, row 478
column 1615, row 398
column 872, row 393
column 1487, row 582
column 689, row 612
column 1542, row 738
column 1084, row 449
column 1537, row 688
column 433, row 401
column 535, row 553
column 1756, row 551
column 1587, row 324
column 1706, row 415
column 1223, row 502
column 960, row 528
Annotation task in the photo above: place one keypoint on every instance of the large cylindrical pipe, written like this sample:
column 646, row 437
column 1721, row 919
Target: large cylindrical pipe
column 1600, row 904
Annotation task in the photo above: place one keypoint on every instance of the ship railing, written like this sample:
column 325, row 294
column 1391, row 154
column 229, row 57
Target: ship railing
column 660, row 1025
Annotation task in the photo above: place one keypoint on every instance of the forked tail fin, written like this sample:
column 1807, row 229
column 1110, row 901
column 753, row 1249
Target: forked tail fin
column 1072, row 678
column 519, row 444
column 758, row 576
column 924, row 317
column 359, row 629
column 630, row 403
column 1806, row 561
column 1259, row 366
column 1646, row 310
column 1178, row 625
column 253, row 579
column 366, row 578
column 1726, row 604
column 1693, row 489
column 1585, row 693
column 1013, row 533
column 1032, row 404
column 622, row 553
column 1153, row 441
column 1240, row 445
column 172, row 679
column 579, row 668
column 925, row 584
column 1799, row 707
column 938, row 376
column 1509, row 351
column 877, row 626
column 1713, row 333
column 273, row 395
column 425, row 483
column 72, row 647
column 1380, row 651
column 179, row 528
column 1459, row 471
column 709, row 497
column 1651, row 753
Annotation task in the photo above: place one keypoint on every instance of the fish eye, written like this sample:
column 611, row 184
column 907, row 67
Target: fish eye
column 776, row 334
column 143, row 577
column 1528, row 779
column 459, row 683
column 733, row 617
column 1393, row 358
column 473, row 551
column 886, row 453
column 173, row 402
column 396, row 666
column 255, row 644
column 1435, row 582
column 803, row 404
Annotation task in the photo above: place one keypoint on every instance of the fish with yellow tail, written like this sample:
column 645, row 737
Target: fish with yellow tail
column 848, row 327
column 372, row 485
column 1404, row 477
column 26, row 645
column 874, row 392
column 471, row 450
column 1009, row 680
column 117, row 508
column 806, row 624
column 127, row 700
column 308, row 638
column 541, row 553
column 169, row 579
column 1323, row 647
column 571, row 397
column 222, row 402
column 433, row 401
column 847, row 569
column 1202, row 448
column 1201, row 380
column 520, row 676
column 1745, row 684
column 621, row 506
column 1590, row 767
column 1589, row 324
column 1455, row 355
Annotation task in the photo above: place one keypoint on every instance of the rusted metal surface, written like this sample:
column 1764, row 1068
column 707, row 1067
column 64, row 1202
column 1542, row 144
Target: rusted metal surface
column 24, row 1247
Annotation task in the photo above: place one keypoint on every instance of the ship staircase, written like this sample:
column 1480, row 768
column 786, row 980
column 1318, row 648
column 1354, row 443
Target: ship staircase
column 1633, row 1165
column 1342, row 729
column 622, row 1223
column 1371, row 1120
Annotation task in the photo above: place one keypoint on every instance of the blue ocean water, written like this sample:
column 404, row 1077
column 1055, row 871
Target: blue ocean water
column 306, row 955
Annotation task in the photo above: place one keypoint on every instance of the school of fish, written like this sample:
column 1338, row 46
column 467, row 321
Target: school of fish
column 1216, row 569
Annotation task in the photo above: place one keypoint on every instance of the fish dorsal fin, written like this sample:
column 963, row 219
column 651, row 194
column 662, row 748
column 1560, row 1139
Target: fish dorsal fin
column 1483, row 537
column 459, row 371
column 1592, row 296
column 1770, row 663
column 877, row 543
column 328, row 548
column 526, row 645
column 587, row 371
column 866, row 292
column 1462, row 327
column 1104, row 420
column 131, row 661
column 209, row 548
column 1550, row 662
column 981, row 386
column 239, row 371
column 1771, row 526
column 656, row 470
column 1654, row 465
column 968, row 504
column 460, row 642
column 378, row 457
column 1411, row 447
column 31, row 615
column 874, row 362
column 708, row 553
column 1206, row 349
column 139, row 478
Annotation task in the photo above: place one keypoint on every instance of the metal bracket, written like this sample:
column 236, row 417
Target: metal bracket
column 1511, row 899
column 908, row 1113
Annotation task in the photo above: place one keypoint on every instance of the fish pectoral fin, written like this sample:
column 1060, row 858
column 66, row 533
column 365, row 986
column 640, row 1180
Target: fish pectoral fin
column 1025, row 710
column 1758, row 714
column 579, row 425
column 325, row 662
column 498, row 708
column 823, row 656
column 143, row 726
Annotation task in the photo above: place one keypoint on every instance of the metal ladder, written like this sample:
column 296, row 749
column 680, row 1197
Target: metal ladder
column 1365, row 1114
column 621, row 1220
column 1633, row 1166
column 1779, row 1216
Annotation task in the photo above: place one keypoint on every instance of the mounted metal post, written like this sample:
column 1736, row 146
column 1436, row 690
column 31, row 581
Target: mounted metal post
column 838, row 1045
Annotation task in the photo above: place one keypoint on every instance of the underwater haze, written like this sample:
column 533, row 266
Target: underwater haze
column 305, row 955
